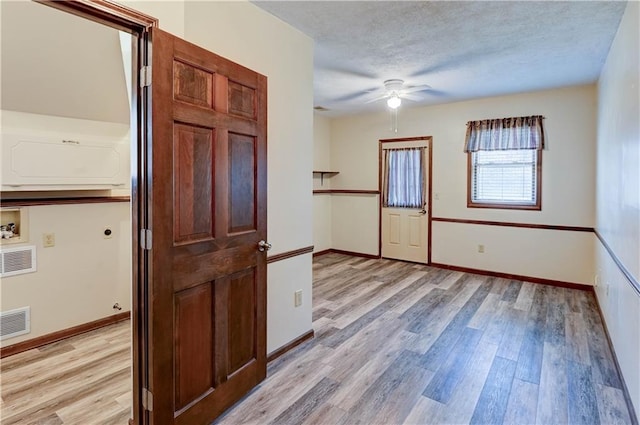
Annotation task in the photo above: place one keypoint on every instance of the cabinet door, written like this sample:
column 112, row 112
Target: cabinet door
column 41, row 163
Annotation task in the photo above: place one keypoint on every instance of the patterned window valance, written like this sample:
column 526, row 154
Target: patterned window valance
column 505, row 134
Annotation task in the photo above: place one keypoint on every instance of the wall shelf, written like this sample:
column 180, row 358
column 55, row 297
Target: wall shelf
column 19, row 219
column 322, row 174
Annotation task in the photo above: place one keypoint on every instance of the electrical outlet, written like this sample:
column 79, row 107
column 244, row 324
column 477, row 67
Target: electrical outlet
column 481, row 249
column 297, row 298
column 48, row 240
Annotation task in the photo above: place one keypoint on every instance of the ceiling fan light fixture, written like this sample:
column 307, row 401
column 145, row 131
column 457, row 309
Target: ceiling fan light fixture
column 394, row 102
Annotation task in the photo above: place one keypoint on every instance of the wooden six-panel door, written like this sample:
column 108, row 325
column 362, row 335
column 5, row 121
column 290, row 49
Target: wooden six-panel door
column 207, row 184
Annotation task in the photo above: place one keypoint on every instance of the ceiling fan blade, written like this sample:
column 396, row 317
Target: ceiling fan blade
column 437, row 93
column 412, row 97
column 377, row 98
column 413, row 89
column 350, row 96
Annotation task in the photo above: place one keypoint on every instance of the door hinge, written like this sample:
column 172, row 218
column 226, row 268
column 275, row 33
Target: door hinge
column 145, row 76
column 145, row 239
column 147, row 399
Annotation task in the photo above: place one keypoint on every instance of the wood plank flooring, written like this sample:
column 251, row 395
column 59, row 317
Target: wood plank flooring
column 396, row 343
column 84, row 380
column 400, row 343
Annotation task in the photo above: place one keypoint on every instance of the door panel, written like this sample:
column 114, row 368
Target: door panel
column 193, row 183
column 207, row 302
column 393, row 229
column 242, row 100
column 415, row 231
column 242, row 213
column 192, row 85
column 193, row 343
column 242, row 294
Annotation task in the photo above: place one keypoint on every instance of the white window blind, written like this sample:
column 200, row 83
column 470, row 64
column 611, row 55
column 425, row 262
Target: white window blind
column 504, row 177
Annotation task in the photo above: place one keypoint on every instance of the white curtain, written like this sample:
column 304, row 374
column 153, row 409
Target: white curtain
column 505, row 134
column 404, row 179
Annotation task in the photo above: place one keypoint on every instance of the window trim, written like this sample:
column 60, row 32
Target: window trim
column 506, row 206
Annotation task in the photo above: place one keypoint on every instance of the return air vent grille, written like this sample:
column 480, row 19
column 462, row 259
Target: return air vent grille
column 15, row 322
column 19, row 260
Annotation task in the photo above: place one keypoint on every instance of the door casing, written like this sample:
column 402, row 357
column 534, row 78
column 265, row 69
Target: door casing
column 137, row 24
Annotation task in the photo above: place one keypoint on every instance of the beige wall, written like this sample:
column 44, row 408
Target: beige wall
column 42, row 125
column 321, row 202
column 80, row 278
column 618, row 195
column 568, row 178
column 246, row 34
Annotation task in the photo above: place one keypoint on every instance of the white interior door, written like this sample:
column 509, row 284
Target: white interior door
column 405, row 230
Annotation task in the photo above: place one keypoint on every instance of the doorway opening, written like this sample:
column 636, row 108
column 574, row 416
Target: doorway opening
column 102, row 200
column 405, row 199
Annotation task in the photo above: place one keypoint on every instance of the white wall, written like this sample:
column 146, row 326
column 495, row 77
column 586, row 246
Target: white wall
column 244, row 33
column 80, row 278
column 618, row 195
column 568, row 184
column 321, row 202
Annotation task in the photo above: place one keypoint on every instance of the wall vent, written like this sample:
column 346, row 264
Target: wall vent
column 19, row 260
column 15, row 322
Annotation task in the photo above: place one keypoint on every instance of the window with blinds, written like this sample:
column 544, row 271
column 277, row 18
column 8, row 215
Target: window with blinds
column 504, row 178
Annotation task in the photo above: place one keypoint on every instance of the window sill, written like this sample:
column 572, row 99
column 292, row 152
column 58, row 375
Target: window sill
column 526, row 207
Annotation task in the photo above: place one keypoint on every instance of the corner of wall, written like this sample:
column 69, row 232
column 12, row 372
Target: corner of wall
column 322, row 203
column 617, row 206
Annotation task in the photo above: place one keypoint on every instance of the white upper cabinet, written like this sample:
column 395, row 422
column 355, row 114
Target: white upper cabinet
column 56, row 163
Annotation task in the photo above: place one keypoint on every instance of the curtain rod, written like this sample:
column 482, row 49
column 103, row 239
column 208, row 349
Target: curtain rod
column 508, row 118
column 391, row 148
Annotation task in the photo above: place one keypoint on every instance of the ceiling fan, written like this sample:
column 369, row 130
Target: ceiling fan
column 395, row 90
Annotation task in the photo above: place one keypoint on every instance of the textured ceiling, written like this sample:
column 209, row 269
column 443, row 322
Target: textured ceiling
column 54, row 63
column 463, row 50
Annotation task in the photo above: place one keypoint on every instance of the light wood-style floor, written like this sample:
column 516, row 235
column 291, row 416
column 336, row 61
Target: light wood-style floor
column 84, row 380
column 404, row 343
column 395, row 343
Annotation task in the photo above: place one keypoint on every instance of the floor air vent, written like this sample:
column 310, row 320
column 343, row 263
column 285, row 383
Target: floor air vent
column 15, row 322
column 19, row 260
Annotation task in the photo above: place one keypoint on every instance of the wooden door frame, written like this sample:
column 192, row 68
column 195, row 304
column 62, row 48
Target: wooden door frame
column 429, row 140
column 129, row 20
